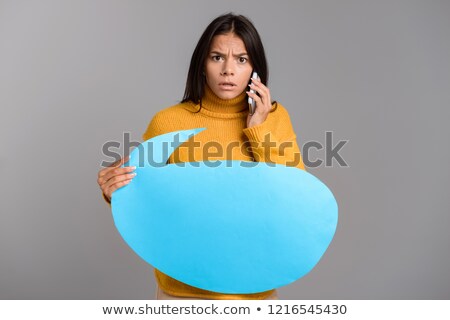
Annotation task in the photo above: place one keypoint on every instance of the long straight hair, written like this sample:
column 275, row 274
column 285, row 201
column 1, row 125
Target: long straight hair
column 244, row 29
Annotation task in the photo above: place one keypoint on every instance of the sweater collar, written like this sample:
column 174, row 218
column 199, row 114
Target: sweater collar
column 213, row 103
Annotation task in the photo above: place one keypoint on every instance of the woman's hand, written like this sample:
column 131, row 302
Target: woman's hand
column 113, row 177
column 263, row 103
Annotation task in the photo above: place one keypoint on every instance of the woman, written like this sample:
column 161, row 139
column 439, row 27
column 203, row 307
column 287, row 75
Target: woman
column 216, row 98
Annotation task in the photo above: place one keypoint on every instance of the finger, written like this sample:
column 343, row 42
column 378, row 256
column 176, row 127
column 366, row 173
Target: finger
column 115, row 164
column 254, row 96
column 258, row 84
column 119, row 162
column 262, row 90
column 113, row 173
column 256, row 79
column 116, row 186
column 261, row 105
column 117, row 179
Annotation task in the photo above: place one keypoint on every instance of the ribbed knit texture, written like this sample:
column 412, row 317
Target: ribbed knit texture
column 225, row 123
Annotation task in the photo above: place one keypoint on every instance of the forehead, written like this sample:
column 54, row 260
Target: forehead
column 225, row 42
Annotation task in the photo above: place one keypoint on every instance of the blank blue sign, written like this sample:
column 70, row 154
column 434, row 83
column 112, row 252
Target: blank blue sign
column 235, row 227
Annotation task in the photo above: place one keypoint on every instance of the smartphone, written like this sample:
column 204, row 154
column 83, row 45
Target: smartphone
column 251, row 102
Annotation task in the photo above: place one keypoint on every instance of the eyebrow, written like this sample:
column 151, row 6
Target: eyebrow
column 236, row 55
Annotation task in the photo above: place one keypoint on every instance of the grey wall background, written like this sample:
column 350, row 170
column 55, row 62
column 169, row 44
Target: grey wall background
column 75, row 74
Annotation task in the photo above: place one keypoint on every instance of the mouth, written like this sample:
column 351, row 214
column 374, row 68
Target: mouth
column 227, row 85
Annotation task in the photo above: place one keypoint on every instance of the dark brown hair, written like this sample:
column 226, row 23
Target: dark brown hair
column 244, row 29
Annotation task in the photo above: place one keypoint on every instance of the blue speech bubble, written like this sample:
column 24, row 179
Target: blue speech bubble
column 238, row 227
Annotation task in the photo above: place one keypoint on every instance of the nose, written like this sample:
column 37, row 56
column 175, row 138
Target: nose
column 227, row 69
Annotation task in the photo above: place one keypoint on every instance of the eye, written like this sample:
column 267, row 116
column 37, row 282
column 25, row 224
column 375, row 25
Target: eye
column 243, row 60
column 216, row 58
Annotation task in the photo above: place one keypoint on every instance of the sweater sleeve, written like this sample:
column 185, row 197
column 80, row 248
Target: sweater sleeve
column 274, row 140
column 154, row 129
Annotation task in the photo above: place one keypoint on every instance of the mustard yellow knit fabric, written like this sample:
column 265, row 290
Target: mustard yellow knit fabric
column 226, row 138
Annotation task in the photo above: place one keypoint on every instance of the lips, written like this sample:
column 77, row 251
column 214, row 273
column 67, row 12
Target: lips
column 227, row 84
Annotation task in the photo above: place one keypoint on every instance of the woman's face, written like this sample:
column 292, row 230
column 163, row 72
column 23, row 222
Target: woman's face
column 227, row 67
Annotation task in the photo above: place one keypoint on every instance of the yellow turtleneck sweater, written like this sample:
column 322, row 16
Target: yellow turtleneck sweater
column 225, row 137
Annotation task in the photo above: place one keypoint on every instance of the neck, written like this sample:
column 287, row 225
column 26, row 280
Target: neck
column 215, row 104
